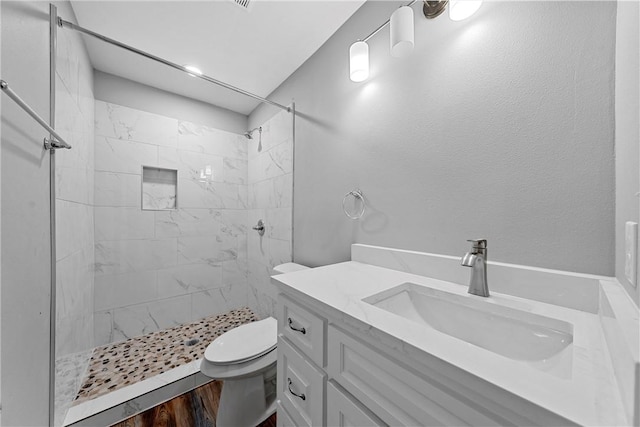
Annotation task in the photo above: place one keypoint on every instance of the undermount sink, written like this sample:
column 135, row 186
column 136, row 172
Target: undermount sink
column 542, row 342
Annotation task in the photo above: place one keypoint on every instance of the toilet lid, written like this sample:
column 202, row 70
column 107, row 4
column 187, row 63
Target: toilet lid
column 244, row 343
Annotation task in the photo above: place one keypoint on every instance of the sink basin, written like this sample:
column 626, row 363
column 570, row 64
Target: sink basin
column 543, row 342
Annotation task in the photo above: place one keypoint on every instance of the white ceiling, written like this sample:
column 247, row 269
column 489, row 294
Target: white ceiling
column 255, row 49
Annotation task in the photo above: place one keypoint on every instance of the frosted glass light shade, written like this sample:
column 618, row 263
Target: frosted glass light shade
column 462, row 9
column 359, row 61
column 401, row 32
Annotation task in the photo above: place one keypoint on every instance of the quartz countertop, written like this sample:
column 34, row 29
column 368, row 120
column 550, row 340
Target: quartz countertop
column 587, row 396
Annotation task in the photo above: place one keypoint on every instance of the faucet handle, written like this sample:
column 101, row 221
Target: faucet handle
column 478, row 243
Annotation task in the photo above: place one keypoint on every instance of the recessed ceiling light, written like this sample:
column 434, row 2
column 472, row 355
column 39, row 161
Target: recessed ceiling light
column 195, row 70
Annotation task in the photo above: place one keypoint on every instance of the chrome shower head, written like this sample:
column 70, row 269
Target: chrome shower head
column 248, row 135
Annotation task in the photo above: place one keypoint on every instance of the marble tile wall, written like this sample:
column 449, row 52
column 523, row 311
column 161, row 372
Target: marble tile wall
column 158, row 269
column 270, row 178
column 74, row 216
column 74, row 196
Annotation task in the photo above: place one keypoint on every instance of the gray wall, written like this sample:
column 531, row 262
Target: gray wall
column 627, row 130
column 500, row 126
column 117, row 90
column 26, row 256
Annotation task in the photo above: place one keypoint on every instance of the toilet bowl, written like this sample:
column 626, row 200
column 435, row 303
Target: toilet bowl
column 245, row 359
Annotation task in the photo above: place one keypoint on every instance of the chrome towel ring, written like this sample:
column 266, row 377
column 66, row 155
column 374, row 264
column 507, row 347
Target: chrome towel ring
column 358, row 196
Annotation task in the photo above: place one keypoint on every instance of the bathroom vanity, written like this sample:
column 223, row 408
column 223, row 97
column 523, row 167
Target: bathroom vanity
column 384, row 340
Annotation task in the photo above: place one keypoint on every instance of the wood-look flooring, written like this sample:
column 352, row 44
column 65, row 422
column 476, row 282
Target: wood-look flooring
column 197, row 408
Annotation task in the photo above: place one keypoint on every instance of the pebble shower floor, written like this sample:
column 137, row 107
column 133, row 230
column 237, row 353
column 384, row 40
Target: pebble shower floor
column 118, row 365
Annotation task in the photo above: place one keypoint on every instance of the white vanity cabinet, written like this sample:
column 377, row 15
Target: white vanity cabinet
column 331, row 375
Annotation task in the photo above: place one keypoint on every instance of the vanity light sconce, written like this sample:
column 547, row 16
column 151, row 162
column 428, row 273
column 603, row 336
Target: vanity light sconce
column 401, row 32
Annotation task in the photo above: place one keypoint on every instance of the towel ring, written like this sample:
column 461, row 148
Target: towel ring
column 357, row 194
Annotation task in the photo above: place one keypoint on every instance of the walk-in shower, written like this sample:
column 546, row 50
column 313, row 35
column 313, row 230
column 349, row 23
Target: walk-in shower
column 123, row 274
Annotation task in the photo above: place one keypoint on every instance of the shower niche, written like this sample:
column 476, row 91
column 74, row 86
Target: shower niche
column 159, row 189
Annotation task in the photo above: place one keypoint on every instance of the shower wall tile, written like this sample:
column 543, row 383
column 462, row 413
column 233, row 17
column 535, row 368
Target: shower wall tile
column 188, row 222
column 124, row 256
column 279, row 252
column 278, row 223
column 114, row 155
column 234, row 272
column 195, row 194
column 277, row 161
column 282, row 194
column 270, row 192
column 159, row 195
column 141, row 319
column 200, row 248
column 209, row 249
column 74, row 227
column 67, row 65
column 103, row 327
column 68, row 115
column 190, row 163
column 117, row 189
column 73, row 271
column 74, row 184
column 203, row 139
column 119, row 290
column 189, row 279
column 234, row 171
column 73, row 332
column 217, row 301
column 80, row 156
column 120, row 223
column 277, row 129
column 119, row 122
column 234, row 223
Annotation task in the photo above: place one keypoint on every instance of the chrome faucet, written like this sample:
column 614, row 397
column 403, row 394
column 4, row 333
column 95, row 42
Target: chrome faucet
column 477, row 260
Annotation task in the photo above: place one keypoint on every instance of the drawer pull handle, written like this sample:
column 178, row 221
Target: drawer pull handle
column 301, row 396
column 301, row 330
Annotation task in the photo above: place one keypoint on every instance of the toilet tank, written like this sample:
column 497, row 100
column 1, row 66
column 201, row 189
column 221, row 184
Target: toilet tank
column 288, row 267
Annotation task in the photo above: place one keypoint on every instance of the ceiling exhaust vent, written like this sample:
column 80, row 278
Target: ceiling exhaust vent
column 245, row 4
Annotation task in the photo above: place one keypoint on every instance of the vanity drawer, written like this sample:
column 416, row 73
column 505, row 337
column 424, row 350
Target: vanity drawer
column 303, row 328
column 300, row 386
column 344, row 411
column 393, row 391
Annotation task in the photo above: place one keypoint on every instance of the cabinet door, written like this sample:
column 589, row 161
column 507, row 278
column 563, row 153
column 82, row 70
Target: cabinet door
column 283, row 419
column 394, row 392
column 344, row 411
column 300, row 386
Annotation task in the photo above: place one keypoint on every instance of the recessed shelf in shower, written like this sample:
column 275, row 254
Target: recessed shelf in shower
column 159, row 189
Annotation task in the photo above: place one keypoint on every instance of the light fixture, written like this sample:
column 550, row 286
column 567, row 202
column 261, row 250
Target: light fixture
column 359, row 61
column 462, row 9
column 401, row 32
column 433, row 8
column 195, row 71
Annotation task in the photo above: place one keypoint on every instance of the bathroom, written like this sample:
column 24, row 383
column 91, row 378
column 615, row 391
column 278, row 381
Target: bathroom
column 518, row 124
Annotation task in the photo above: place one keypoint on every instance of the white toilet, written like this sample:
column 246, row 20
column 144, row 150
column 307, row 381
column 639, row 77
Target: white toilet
column 245, row 359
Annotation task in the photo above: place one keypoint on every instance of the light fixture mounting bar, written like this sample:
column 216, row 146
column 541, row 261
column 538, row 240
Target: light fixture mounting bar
column 434, row 8
column 71, row 25
column 377, row 30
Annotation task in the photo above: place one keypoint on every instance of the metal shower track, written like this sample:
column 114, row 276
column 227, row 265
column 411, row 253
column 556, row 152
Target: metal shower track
column 66, row 24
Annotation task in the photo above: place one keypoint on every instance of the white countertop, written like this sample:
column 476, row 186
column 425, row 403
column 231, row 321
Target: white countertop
column 589, row 397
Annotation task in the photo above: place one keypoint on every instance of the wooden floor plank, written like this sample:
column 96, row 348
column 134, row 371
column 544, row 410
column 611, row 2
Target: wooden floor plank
column 197, row 408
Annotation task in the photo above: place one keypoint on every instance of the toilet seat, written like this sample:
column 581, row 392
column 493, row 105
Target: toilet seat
column 244, row 343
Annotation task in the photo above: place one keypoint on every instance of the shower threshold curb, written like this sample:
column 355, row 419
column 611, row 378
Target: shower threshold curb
column 128, row 401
